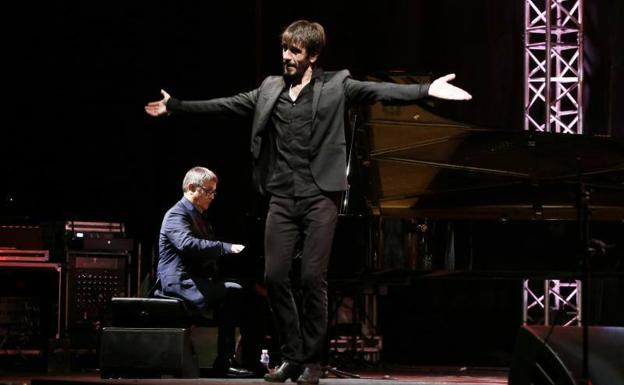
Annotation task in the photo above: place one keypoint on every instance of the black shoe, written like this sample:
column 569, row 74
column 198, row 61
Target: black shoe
column 285, row 371
column 239, row 373
column 226, row 368
column 310, row 376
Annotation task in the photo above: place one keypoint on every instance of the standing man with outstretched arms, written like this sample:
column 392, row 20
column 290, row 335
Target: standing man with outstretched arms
column 299, row 160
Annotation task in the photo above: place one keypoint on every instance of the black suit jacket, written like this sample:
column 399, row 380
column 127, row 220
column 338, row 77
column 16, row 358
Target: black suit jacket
column 187, row 256
column 333, row 94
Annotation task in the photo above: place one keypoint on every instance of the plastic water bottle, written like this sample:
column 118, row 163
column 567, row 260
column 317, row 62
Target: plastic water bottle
column 265, row 359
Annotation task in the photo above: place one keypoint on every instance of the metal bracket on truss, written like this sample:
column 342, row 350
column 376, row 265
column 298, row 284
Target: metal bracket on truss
column 555, row 296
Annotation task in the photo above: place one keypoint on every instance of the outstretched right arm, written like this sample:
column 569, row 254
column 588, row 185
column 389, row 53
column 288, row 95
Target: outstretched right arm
column 242, row 104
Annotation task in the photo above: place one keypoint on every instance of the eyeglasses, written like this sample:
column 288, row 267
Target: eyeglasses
column 209, row 192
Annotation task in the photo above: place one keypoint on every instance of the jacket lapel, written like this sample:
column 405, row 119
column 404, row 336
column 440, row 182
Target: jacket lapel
column 268, row 99
column 316, row 135
column 318, row 85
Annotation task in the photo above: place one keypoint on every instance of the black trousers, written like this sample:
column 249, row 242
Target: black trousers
column 240, row 307
column 309, row 222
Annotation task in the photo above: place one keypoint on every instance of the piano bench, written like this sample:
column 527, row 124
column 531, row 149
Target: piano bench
column 151, row 338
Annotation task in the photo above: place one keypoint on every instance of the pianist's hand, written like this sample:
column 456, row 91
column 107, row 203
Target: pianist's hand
column 440, row 88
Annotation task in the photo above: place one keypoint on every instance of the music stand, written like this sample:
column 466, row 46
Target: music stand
column 585, row 255
column 333, row 316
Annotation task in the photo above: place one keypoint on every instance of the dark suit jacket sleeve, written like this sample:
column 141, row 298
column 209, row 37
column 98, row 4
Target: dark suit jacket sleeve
column 371, row 92
column 242, row 104
column 178, row 230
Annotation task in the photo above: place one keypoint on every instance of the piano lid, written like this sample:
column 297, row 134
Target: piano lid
column 422, row 165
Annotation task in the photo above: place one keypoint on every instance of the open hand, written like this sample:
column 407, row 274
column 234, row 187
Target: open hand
column 158, row 108
column 237, row 248
column 440, row 88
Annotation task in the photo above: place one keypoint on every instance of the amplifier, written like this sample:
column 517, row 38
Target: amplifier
column 98, row 236
column 15, row 255
column 30, row 305
column 114, row 244
column 25, row 237
column 93, row 278
column 81, row 228
column 102, row 244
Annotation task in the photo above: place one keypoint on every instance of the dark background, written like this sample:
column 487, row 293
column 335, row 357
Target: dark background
column 77, row 144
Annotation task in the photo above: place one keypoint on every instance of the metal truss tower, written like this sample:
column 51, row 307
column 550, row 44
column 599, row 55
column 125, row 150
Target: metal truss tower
column 553, row 66
column 553, row 90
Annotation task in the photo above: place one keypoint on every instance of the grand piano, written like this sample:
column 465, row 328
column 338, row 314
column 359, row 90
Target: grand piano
column 424, row 165
column 443, row 221
column 492, row 188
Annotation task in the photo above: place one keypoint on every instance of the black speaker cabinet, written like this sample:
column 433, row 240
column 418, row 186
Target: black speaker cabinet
column 147, row 353
column 545, row 356
column 93, row 278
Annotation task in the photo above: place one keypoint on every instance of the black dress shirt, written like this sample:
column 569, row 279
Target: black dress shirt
column 292, row 124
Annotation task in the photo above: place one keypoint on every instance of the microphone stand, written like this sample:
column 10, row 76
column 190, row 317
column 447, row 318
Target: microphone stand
column 585, row 244
column 586, row 250
column 344, row 211
column 344, row 202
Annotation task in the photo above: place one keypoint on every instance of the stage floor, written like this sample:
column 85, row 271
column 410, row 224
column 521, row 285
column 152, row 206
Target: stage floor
column 402, row 376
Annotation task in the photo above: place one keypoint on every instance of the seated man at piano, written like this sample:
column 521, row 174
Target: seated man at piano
column 187, row 269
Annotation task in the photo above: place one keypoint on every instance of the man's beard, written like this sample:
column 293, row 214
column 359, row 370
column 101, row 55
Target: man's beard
column 299, row 68
column 294, row 76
